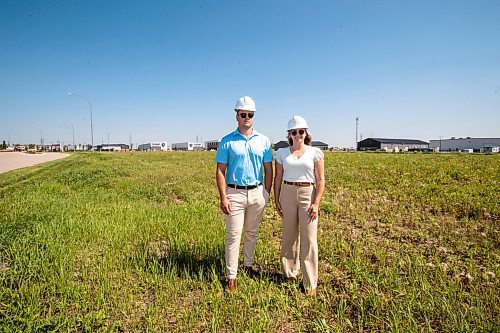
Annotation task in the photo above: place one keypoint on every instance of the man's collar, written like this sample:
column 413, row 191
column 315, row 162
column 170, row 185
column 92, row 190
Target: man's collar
column 254, row 133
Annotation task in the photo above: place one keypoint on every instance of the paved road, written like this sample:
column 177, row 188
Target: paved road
column 15, row 160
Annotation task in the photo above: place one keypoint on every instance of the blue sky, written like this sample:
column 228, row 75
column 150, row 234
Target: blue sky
column 173, row 70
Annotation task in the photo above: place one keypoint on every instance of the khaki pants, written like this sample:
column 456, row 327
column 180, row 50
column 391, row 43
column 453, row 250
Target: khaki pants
column 247, row 207
column 299, row 233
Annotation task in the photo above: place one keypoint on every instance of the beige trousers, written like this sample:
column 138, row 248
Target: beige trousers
column 247, row 207
column 299, row 233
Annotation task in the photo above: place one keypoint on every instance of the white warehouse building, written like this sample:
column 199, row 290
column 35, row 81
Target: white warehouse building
column 153, row 146
column 187, row 146
column 478, row 145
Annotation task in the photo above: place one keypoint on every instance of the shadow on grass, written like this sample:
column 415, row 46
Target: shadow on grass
column 197, row 263
column 272, row 274
column 186, row 262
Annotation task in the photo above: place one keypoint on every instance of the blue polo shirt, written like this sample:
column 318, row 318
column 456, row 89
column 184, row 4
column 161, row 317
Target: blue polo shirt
column 244, row 157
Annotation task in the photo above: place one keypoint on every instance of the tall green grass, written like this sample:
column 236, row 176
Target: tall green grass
column 135, row 242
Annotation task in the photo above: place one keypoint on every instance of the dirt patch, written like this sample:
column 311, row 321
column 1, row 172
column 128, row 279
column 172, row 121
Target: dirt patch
column 176, row 199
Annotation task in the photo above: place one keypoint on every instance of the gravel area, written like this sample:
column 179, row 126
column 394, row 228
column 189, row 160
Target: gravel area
column 15, row 160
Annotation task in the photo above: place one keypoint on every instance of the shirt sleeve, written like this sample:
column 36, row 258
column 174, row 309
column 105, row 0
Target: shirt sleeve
column 268, row 153
column 222, row 155
column 318, row 155
column 279, row 158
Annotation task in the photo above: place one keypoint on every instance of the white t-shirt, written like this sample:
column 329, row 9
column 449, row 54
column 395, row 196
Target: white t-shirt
column 299, row 169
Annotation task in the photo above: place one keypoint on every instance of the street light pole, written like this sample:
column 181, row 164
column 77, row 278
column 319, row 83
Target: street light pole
column 91, row 123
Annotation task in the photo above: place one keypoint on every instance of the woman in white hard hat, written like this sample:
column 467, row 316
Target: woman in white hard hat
column 298, row 187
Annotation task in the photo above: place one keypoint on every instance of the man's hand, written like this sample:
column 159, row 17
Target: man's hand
column 278, row 209
column 225, row 205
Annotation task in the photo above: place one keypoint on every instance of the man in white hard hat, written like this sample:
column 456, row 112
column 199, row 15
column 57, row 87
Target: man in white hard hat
column 241, row 157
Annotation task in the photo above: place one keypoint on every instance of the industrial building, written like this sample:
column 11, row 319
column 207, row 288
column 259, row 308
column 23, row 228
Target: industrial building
column 212, row 144
column 187, row 146
column 477, row 145
column 112, row 147
column 153, row 146
column 54, row 147
column 317, row 144
column 390, row 145
column 78, row 147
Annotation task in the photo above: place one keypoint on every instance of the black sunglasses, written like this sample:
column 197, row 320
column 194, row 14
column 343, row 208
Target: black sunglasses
column 294, row 132
column 244, row 115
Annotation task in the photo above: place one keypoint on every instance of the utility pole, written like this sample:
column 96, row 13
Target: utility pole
column 357, row 120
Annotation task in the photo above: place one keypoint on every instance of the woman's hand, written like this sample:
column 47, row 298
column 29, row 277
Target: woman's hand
column 313, row 211
column 278, row 208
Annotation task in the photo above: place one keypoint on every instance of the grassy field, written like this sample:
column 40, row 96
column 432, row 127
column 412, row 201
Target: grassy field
column 135, row 242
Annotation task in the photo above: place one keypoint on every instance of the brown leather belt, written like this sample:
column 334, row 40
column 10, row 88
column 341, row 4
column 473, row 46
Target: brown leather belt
column 298, row 183
column 239, row 187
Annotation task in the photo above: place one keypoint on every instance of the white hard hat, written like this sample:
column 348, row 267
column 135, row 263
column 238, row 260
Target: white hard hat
column 245, row 103
column 296, row 122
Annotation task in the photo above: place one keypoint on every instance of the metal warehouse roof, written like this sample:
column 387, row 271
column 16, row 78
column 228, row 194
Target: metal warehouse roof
column 399, row 141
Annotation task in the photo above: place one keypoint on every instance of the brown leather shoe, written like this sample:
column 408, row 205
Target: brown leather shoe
column 311, row 292
column 231, row 285
column 291, row 279
column 251, row 271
